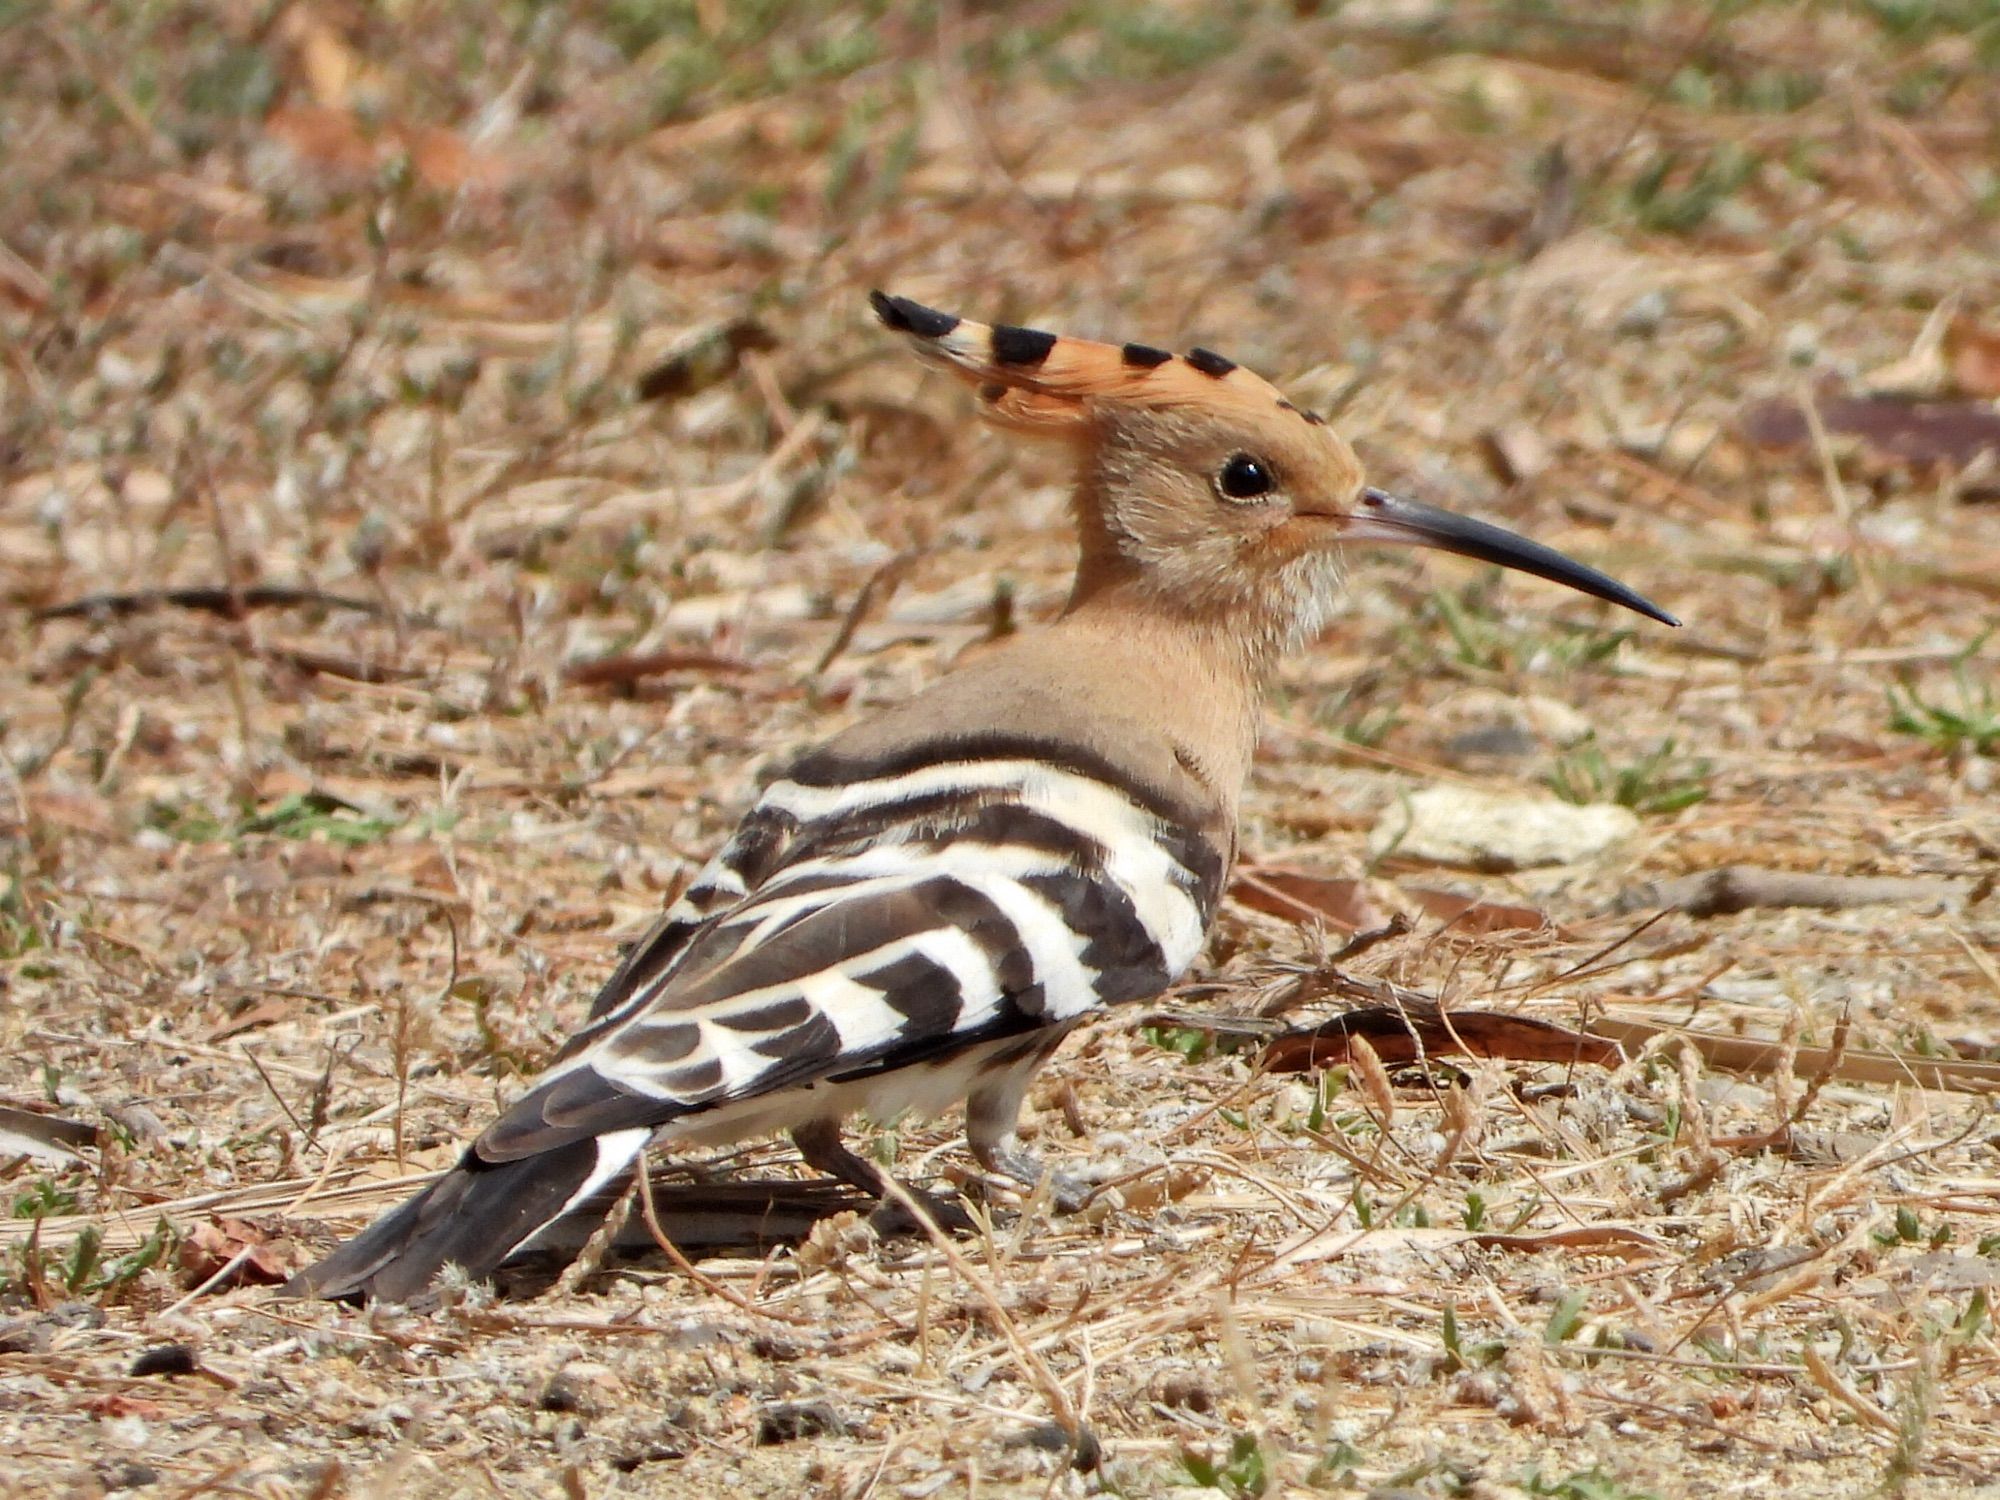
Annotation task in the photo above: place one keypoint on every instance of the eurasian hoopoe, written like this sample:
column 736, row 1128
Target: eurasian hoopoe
column 921, row 909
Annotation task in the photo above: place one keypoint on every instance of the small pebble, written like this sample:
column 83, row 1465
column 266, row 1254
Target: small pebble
column 166, row 1359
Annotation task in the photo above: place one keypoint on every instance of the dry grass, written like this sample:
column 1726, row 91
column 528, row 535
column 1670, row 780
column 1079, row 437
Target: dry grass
column 539, row 333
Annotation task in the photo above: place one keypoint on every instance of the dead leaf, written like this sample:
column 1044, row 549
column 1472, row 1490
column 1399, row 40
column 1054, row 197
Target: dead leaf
column 1975, row 358
column 1302, row 896
column 208, row 1248
column 263, row 1013
column 1407, row 1033
column 77, row 811
column 45, row 1137
column 329, row 64
column 322, row 138
column 117, row 1404
column 1516, row 453
column 1620, row 1239
column 1922, row 434
column 335, row 142
column 702, row 358
column 1474, row 914
column 1923, row 372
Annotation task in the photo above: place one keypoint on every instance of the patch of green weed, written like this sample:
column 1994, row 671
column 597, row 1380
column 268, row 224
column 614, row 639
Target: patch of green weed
column 1970, row 723
column 1240, row 1473
column 1660, row 781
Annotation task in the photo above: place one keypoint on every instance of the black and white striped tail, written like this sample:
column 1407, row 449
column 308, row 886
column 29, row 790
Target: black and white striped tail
column 476, row 1217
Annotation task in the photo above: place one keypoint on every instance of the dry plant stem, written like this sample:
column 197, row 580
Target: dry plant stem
column 1759, row 1056
column 951, row 73
column 1032, row 1365
column 334, row 1156
column 1828, row 1379
column 590, row 1259
column 1843, row 505
column 1981, row 959
column 882, row 582
column 1914, row 1412
column 31, row 840
column 673, row 1253
column 1692, row 1417
column 1811, row 1274
column 245, row 778
column 1302, row 990
column 228, row 1269
column 214, row 601
column 1588, row 966
column 297, row 1124
column 404, row 1040
column 156, row 141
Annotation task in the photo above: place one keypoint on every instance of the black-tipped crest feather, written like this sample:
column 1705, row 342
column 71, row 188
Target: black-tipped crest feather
column 905, row 316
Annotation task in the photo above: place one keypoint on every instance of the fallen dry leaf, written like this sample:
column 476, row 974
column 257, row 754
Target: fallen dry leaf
column 1408, row 1033
column 43, row 1136
column 337, row 144
column 1975, row 358
column 118, row 1404
column 271, row 1008
column 1922, row 434
column 208, row 1248
column 1473, row 914
column 1302, row 896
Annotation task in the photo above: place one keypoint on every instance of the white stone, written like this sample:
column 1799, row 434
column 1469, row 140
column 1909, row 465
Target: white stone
column 1452, row 825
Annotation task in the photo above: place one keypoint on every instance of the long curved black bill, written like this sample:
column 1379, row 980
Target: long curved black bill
column 1384, row 518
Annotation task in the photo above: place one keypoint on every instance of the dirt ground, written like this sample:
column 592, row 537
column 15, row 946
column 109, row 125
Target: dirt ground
column 446, row 460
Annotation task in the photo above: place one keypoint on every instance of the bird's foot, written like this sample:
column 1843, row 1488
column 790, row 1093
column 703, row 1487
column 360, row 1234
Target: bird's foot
column 1024, row 1169
column 893, row 1217
column 820, row 1144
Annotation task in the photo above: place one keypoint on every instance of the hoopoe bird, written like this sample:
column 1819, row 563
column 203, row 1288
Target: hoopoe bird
column 921, row 909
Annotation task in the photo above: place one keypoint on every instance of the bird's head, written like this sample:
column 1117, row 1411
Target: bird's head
column 1201, row 488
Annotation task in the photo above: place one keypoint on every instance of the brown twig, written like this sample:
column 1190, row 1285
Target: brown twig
column 623, row 671
column 687, row 1267
column 883, row 582
column 1734, row 888
column 227, row 602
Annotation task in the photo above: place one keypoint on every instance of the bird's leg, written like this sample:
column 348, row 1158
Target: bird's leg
column 993, row 1110
column 820, row 1144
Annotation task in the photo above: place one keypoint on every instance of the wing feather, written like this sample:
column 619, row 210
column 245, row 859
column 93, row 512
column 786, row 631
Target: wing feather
column 848, row 931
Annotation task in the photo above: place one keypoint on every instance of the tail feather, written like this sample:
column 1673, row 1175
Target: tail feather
column 476, row 1217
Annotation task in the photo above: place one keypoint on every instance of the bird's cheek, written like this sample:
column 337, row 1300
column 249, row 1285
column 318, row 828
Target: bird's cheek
column 1303, row 531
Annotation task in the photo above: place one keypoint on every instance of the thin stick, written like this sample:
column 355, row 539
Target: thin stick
column 1065, row 1412
column 673, row 1253
column 229, row 1268
column 1843, row 504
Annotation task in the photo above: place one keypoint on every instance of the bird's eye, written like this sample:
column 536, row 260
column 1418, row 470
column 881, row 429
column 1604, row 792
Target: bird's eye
column 1245, row 478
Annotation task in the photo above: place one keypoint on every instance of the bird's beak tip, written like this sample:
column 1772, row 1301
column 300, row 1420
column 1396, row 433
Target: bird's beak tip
column 1382, row 517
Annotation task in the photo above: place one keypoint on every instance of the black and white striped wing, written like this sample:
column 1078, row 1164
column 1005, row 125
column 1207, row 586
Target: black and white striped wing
column 907, row 917
column 737, row 868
